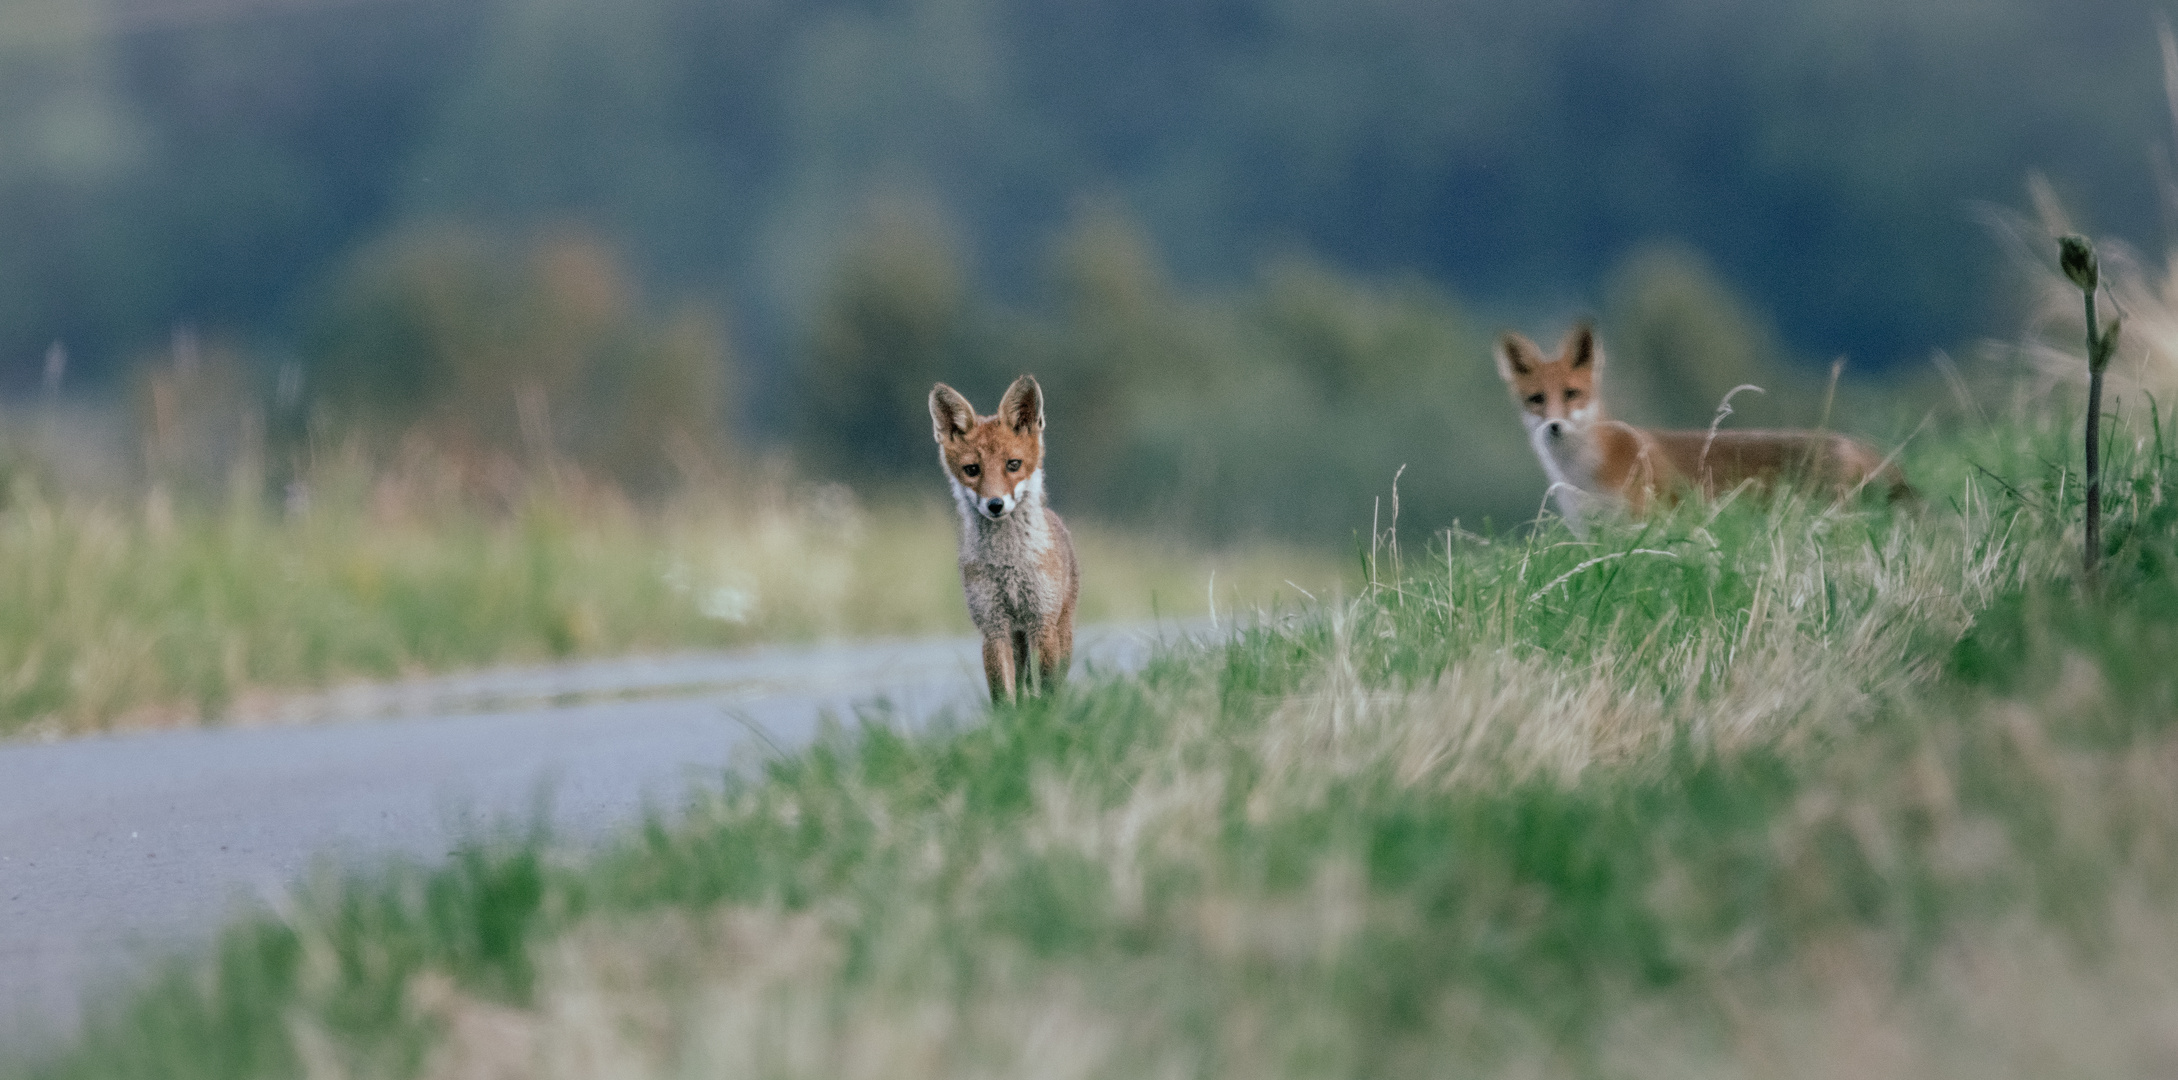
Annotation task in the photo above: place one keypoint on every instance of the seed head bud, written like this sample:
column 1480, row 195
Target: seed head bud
column 2077, row 255
column 2105, row 345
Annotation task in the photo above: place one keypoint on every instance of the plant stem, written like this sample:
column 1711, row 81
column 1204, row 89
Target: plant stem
column 2095, row 350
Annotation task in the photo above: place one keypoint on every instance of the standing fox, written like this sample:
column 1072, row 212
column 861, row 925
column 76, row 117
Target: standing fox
column 1590, row 457
column 1016, row 559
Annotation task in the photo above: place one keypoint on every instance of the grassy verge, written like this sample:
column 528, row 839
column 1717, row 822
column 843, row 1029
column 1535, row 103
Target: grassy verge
column 148, row 615
column 1768, row 791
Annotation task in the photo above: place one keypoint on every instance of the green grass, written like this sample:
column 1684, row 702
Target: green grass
column 1741, row 791
column 151, row 614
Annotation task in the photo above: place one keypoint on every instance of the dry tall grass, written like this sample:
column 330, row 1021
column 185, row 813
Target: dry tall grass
column 1783, row 791
column 134, row 611
column 1440, row 692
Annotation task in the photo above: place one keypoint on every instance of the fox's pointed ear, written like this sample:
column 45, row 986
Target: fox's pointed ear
column 950, row 414
column 1023, row 406
column 1580, row 346
column 1516, row 356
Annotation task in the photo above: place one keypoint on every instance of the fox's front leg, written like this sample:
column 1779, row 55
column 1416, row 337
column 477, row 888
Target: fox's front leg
column 1054, row 651
column 1570, row 508
column 1024, row 663
column 998, row 667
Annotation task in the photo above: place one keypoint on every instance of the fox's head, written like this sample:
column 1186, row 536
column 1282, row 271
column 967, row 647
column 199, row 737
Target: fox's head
column 1558, row 396
column 994, row 462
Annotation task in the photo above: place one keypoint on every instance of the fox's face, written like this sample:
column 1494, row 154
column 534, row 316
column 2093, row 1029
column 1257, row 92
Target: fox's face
column 995, row 461
column 1558, row 397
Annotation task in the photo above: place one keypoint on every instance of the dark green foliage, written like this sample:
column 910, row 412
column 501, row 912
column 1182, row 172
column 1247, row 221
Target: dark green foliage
column 894, row 321
column 1281, row 409
column 1679, row 340
column 537, row 352
column 1512, row 152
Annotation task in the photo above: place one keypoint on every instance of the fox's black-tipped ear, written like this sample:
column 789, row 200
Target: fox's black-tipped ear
column 1580, row 346
column 950, row 414
column 1516, row 356
column 1023, row 406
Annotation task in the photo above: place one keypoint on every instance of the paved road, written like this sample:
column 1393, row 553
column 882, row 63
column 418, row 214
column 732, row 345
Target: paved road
column 116, row 849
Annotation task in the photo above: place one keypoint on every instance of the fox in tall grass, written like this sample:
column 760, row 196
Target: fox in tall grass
column 1592, row 459
column 1016, row 559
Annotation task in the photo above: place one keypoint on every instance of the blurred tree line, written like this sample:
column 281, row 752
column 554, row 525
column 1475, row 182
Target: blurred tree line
column 1283, row 405
column 165, row 162
column 1244, row 241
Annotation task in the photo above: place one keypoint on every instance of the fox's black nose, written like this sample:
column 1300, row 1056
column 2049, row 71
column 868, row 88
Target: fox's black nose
column 994, row 506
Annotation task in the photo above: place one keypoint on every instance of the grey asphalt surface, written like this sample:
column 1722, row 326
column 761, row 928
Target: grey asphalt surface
column 117, row 850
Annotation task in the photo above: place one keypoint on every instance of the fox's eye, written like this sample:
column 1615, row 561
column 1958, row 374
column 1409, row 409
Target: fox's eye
column 1535, row 399
column 1013, row 464
column 1571, row 393
column 971, row 470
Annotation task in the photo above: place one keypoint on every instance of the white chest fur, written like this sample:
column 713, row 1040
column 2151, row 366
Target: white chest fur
column 1006, row 564
column 1568, row 459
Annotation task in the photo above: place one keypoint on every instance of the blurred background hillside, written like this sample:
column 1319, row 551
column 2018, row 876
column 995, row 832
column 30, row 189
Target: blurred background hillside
column 1255, row 248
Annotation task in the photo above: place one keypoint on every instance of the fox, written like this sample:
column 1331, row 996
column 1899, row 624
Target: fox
column 1016, row 558
column 1593, row 460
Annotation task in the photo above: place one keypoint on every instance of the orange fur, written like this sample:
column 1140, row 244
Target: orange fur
column 1016, row 558
column 1582, row 449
